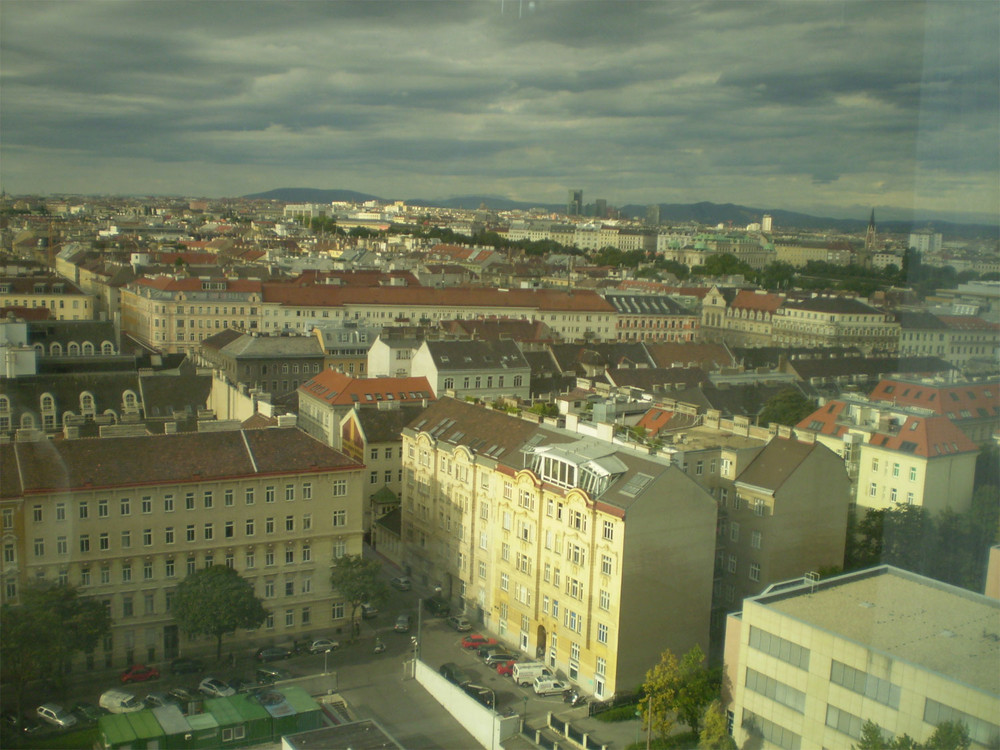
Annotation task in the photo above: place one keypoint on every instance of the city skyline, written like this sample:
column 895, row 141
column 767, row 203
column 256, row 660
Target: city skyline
column 821, row 108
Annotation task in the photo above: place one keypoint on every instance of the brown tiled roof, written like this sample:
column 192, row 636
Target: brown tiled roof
column 339, row 389
column 648, row 377
column 824, row 420
column 192, row 284
column 968, row 323
column 68, row 465
column 776, row 463
column 468, row 297
column 926, row 436
column 480, row 429
column 750, row 300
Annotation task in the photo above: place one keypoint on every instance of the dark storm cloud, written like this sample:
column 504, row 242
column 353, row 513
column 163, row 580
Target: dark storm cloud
column 828, row 102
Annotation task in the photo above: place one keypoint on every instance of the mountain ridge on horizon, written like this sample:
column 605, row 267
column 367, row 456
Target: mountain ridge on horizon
column 704, row 212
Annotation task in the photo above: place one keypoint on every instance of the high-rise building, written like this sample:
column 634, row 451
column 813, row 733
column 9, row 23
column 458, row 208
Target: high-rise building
column 766, row 223
column 601, row 208
column 574, row 206
column 653, row 215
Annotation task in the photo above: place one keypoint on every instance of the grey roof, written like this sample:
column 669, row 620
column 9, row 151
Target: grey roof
column 869, row 367
column 736, row 400
column 915, row 321
column 476, row 355
column 768, row 356
column 386, row 425
column 778, row 460
column 847, row 305
column 66, row 331
column 645, row 304
column 572, row 357
column 251, row 347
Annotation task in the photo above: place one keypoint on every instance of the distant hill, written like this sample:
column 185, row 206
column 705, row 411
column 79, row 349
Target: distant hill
column 702, row 213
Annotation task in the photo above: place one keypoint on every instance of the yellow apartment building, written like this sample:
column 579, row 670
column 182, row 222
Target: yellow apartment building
column 126, row 519
column 587, row 555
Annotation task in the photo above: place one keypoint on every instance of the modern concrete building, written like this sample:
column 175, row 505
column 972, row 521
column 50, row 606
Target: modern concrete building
column 588, row 555
column 809, row 662
column 274, row 504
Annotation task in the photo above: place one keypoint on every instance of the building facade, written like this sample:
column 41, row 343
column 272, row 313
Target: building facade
column 583, row 554
column 274, row 504
column 809, row 664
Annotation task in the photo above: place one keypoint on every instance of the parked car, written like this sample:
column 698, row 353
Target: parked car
column 241, row 683
column 119, row 702
column 506, row 668
column 184, row 665
column 272, row 653
column 86, row 712
column 402, row 623
column 459, row 623
column 368, row 611
column 25, row 724
column 549, row 686
column 496, row 657
column 475, row 640
column 215, row 688
column 266, row 675
column 524, row 673
column 321, row 645
column 437, row 606
column 401, row 582
column 156, row 700
column 140, row 673
column 454, row 673
column 56, row 715
column 182, row 696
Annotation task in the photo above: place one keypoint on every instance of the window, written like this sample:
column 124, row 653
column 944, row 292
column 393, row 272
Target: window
column 732, row 564
column 734, row 532
column 759, row 507
column 147, row 504
column 755, row 538
column 126, row 572
column 339, row 487
column 188, row 501
column 84, row 510
column 62, row 547
column 189, row 532
column 609, row 530
column 289, row 492
column 126, row 539
column 85, row 543
column 307, row 491
column 269, row 525
column 102, row 509
column 169, row 568
column 482, row 569
column 602, row 633
column 289, row 555
column 606, row 565
column 605, row 599
column 104, row 541
column 227, row 498
column 340, row 518
column 249, row 496
column 208, row 499
column 307, row 522
column 147, row 537
column 168, row 503
column 504, row 582
column 147, row 570
column 269, row 494
column 895, row 470
column 754, row 571
column 872, row 489
column 125, row 506
column 250, row 527
column 913, row 473
column 127, row 607
column 268, row 589
column 289, row 523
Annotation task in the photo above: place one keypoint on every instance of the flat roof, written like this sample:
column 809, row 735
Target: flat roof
column 941, row 628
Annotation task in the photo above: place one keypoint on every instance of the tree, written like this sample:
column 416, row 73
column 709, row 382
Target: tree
column 358, row 580
column 950, row 735
column 787, row 407
column 684, row 688
column 43, row 633
column 216, row 601
column 713, row 733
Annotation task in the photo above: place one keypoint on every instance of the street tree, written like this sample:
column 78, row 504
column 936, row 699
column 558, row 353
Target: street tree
column 43, row 633
column 216, row 601
column 713, row 731
column 683, row 687
column 358, row 580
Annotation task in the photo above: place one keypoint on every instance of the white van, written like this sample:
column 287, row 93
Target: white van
column 120, row 702
column 549, row 686
column 524, row 673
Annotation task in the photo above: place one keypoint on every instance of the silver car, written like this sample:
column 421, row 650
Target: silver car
column 56, row 715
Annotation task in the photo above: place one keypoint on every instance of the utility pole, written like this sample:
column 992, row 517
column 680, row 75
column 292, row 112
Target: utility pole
column 649, row 719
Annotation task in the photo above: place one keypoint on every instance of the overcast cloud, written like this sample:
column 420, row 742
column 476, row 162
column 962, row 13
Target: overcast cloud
column 826, row 107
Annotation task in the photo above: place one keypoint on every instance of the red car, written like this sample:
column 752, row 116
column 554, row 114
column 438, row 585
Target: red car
column 506, row 668
column 140, row 673
column 475, row 640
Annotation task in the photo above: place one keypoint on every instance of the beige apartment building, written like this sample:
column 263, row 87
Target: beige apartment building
column 126, row 519
column 590, row 556
column 810, row 662
column 835, row 321
column 177, row 314
column 63, row 299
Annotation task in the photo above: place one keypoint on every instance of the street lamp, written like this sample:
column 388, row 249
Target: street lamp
column 326, row 659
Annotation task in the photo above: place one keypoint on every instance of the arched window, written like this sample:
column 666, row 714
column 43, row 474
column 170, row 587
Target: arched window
column 55, row 350
column 107, row 348
column 40, row 349
column 27, row 421
column 73, row 349
column 48, row 403
column 449, row 382
column 129, row 401
column 67, row 417
column 88, row 349
column 4, row 404
column 87, row 404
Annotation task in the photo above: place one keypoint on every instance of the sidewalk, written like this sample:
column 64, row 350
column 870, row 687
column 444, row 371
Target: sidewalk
column 616, row 735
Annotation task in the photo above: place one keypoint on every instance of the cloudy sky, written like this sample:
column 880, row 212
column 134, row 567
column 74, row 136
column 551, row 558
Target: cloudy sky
column 828, row 107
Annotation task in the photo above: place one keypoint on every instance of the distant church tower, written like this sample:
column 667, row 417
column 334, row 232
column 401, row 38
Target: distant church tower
column 870, row 236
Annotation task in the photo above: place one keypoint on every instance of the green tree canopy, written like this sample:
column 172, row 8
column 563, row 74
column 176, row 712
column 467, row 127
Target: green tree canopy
column 358, row 580
column 216, row 601
column 43, row 633
column 713, row 732
column 787, row 407
column 684, row 688
column 723, row 264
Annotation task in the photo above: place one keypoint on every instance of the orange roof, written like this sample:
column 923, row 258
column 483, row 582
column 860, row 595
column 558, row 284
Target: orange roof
column 750, row 300
column 926, row 436
column 654, row 420
column 968, row 323
column 824, row 420
column 979, row 400
column 339, row 389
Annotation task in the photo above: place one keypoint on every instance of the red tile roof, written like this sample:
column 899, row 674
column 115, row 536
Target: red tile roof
column 981, row 400
column 750, row 300
column 968, row 323
column 338, row 389
column 824, row 420
column 928, row 437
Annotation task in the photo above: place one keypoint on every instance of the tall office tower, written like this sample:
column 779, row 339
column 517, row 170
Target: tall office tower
column 653, row 215
column 766, row 223
column 574, row 206
column 601, row 208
